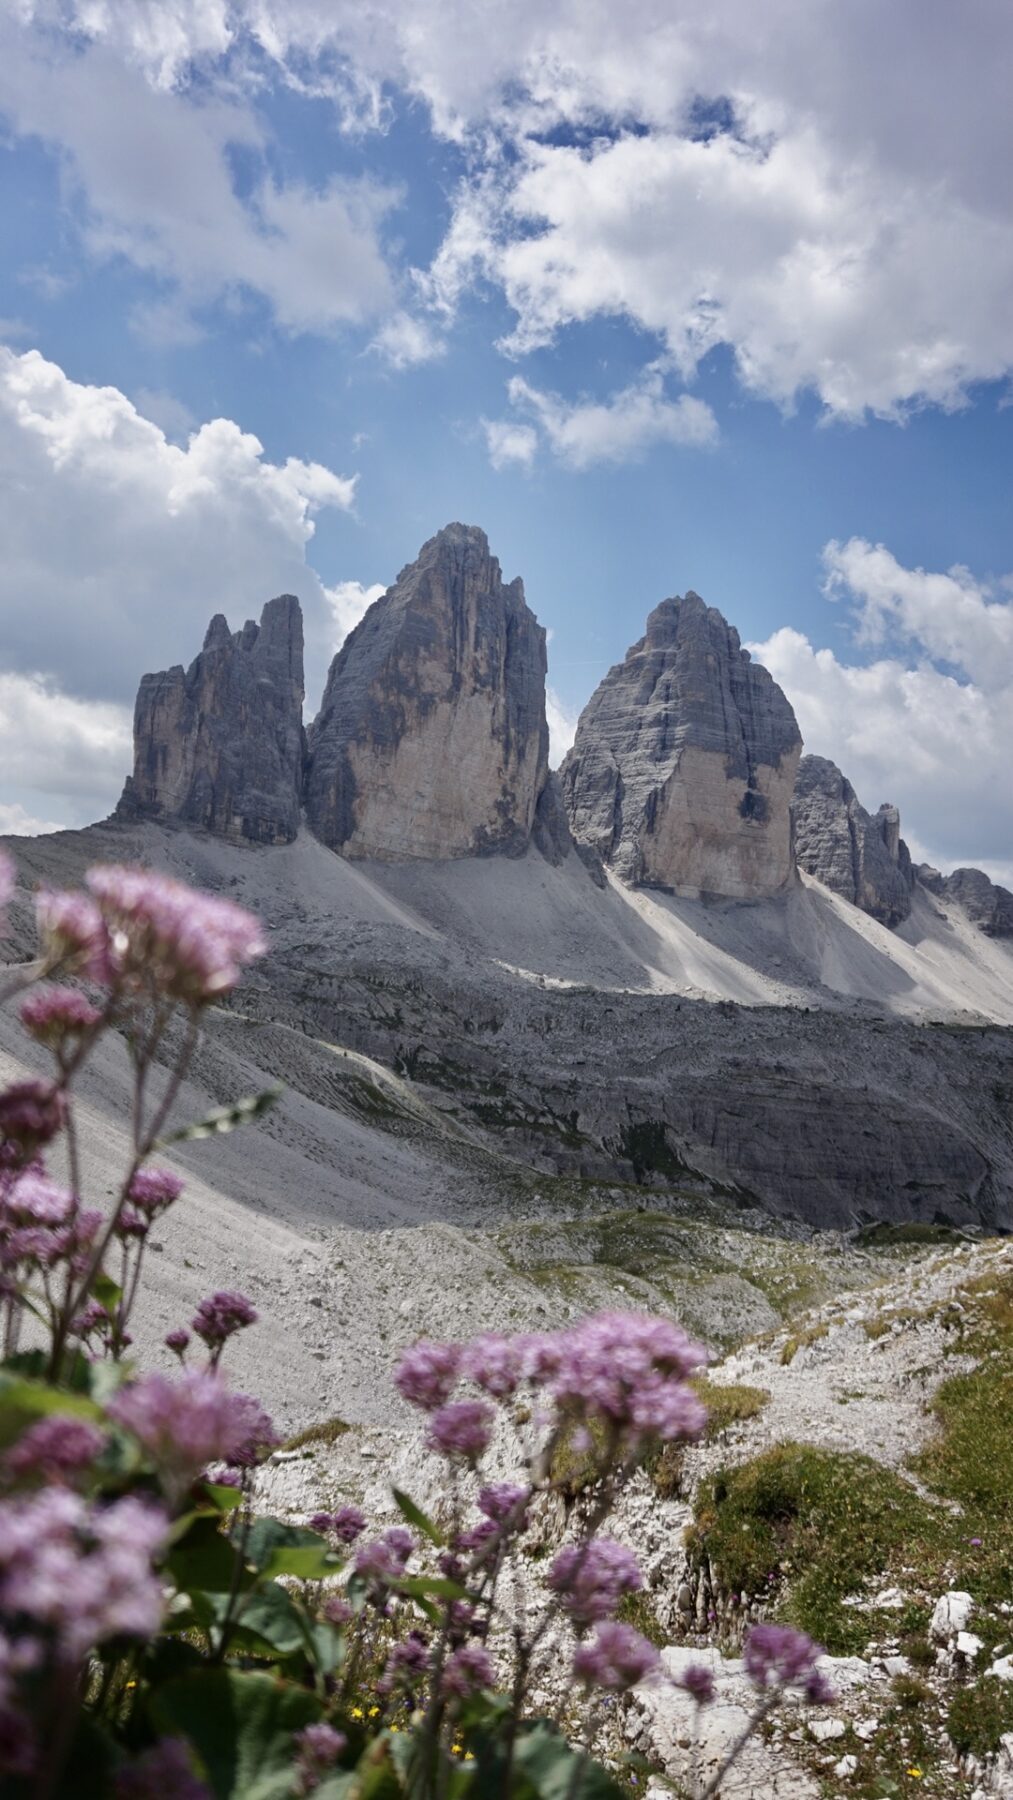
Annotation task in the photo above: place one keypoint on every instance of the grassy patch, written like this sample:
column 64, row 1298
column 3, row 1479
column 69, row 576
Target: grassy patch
column 801, row 1341
column 979, row 1716
column 811, row 1527
column 638, row 1611
column 728, row 1403
column 327, row 1432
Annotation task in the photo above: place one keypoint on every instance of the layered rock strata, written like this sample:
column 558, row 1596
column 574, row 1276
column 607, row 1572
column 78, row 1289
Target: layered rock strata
column 220, row 744
column 986, row 903
column 432, row 741
column 683, row 766
column 855, row 854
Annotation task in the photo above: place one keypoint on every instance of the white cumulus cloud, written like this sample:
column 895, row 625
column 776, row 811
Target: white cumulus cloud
column 933, row 739
column 348, row 601
column 619, row 429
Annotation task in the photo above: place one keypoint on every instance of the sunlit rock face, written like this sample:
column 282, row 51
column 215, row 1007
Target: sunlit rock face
column 220, row 745
column 432, row 741
column 855, row 853
column 684, row 762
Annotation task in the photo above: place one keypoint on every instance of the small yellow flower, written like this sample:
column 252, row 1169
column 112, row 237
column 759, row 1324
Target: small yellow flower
column 373, row 1711
column 357, row 1712
column 456, row 1749
column 916, row 1773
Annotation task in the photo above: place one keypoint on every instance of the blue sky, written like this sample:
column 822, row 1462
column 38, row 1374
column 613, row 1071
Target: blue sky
column 688, row 297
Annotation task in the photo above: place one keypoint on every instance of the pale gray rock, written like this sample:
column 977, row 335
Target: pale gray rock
column 682, row 769
column 986, row 903
column 220, row 744
column 855, row 854
column 432, row 741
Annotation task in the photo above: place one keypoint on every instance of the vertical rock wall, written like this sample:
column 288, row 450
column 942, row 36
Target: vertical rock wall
column 431, row 741
column 220, row 744
column 862, row 857
column 684, row 762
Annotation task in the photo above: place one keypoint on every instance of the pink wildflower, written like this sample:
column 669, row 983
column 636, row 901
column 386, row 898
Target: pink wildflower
column 461, row 1429
column 628, row 1369
column 164, row 933
column 779, row 1656
column 347, row 1524
column 153, row 1190
column 495, row 1363
column 592, row 1578
column 427, row 1373
column 697, row 1680
column 73, row 933
column 83, row 1573
column 501, row 1499
column 177, row 1341
column 220, row 1317
column 31, row 1115
column 54, row 1448
column 54, row 1015
column 384, row 1559
column 191, row 1421
column 319, row 1747
column 467, row 1671
column 616, row 1658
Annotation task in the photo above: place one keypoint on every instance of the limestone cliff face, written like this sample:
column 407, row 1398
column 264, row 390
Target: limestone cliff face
column 862, row 857
column 984, row 901
column 682, row 769
column 220, row 744
column 431, row 741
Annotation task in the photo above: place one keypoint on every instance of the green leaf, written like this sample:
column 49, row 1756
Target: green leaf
column 224, row 1118
column 204, row 1560
column 241, row 1726
column 420, row 1586
column 415, row 1516
column 107, row 1292
column 549, row 1763
column 277, row 1549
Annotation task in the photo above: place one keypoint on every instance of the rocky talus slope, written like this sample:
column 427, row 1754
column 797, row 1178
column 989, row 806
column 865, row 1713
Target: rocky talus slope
column 431, row 740
column 220, row 744
column 684, row 761
column 856, row 1396
column 861, row 857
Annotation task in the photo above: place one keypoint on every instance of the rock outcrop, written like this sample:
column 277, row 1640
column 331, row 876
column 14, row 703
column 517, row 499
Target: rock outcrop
column 984, row 901
column 432, row 741
column 682, row 770
column 220, row 744
column 855, row 854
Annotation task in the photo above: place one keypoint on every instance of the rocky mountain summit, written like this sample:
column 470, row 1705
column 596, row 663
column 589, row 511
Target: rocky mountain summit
column 682, row 770
column 432, row 741
column 984, row 901
column 220, row 744
column 862, row 857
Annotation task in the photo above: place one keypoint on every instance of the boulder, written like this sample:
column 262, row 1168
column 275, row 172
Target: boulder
column 855, row 854
column 432, row 741
column 220, row 744
column 682, row 770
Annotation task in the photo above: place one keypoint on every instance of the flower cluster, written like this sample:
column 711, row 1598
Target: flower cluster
column 383, row 1560
column 347, row 1524
column 616, row 1658
column 220, row 1317
column 76, row 1575
column 54, row 1449
column 467, row 1671
column 58, row 1016
column 192, row 1420
column 777, row 1656
column 625, row 1371
column 592, row 1578
column 137, row 931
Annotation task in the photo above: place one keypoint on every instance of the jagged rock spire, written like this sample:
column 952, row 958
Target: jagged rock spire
column 861, row 856
column 683, row 765
column 220, row 745
column 431, row 740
